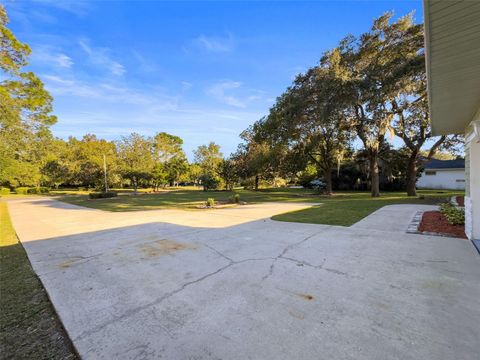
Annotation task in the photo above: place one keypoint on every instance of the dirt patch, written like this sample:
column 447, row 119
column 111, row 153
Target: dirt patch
column 436, row 222
column 460, row 201
column 163, row 247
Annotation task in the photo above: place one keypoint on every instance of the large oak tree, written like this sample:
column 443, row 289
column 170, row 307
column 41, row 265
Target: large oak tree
column 375, row 69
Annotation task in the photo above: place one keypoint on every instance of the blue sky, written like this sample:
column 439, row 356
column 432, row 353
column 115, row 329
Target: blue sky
column 201, row 70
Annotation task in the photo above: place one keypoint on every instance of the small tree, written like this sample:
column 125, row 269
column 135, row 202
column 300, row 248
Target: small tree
column 159, row 176
column 209, row 182
column 228, row 172
column 257, row 158
column 209, row 158
column 136, row 157
column 55, row 172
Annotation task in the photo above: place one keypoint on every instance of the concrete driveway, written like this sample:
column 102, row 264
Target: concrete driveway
column 232, row 284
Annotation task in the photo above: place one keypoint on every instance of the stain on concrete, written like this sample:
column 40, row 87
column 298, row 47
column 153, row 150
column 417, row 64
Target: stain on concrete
column 383, row 306
column 305, row 296
column 163, row 247
column 69, row 262
column 297, row 316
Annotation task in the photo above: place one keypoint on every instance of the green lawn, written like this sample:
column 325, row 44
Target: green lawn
column 29, row 327
column 344, row 208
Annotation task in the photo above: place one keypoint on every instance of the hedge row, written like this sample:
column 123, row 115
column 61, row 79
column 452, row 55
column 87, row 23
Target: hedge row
column 102, row 195
column 32, row 190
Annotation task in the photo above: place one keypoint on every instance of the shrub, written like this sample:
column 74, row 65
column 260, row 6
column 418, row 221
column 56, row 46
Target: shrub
column 38, row 190
column 210, row 182
column 21, row 190
column 236, row 198
column 81, row 188
column 248, row 183
column 210, row 202
column 102, row 195
column 4, row 191
column 454, row 215
column 318, row 185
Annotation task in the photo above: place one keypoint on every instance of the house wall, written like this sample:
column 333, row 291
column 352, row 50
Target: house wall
column 443, row 179
column 472, row 193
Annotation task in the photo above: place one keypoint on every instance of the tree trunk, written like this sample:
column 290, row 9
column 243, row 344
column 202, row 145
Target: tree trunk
column 412, row 175
column 257, row 180
column 135, row 186
column 327, row 174
column 374, row 176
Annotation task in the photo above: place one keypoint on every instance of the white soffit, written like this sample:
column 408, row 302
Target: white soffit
column 452, row 42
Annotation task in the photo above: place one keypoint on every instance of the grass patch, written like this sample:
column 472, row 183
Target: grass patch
column 29, row 327
column 344, row 208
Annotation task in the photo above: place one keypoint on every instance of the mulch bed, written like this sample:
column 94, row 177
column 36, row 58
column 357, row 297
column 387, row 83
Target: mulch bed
column 460, row 201
column 436, row 222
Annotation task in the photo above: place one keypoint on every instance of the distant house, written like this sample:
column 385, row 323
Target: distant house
column 443, row 174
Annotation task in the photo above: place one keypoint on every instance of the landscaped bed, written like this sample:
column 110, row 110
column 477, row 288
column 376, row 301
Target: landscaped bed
column 436, row 222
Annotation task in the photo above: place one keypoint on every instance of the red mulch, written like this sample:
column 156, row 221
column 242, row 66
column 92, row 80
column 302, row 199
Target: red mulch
column 436, row 222
column 460, row 201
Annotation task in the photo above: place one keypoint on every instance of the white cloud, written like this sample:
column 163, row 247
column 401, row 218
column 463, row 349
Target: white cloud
column 216, row 44
column 186, row 85
column 222, row 92
column 144, row 64
column 112, row 93
column 47, row 55
column 78, row 8
column 63, row 60
column 100, row 56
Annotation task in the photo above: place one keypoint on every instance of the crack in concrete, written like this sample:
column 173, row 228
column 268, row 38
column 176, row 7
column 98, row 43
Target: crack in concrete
column 230, row 263
column 219, row 253
column 156, row 302
column 159, row 300
column 342, row 273
column 303, row 263
column 285, row 250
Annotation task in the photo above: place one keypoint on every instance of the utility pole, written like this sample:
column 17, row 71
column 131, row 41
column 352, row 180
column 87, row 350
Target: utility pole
column 105, row 172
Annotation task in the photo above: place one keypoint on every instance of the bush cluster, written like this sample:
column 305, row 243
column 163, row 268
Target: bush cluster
column 4, row 191
column 454, row 215
column 38, row 190
column 317, row 185
column 32, row 190
column 210, row 202
column 235, row 198
column 102, row 195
